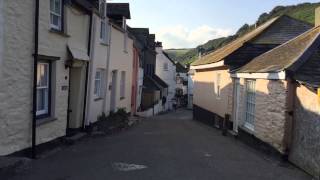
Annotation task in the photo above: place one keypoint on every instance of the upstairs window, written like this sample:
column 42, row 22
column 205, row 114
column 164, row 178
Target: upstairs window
column 165, row 66
column 103, row 31
column 102, row 8
column 98, row 83
column 56, row 14
column 125, row 42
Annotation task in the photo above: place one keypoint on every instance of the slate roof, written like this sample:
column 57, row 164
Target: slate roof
column 180, row 68
column 150, row 84
column 270, row 34
column 165, row 54
column 160, row 81
column 287, row 56
column 118, row 10
column 223, row 52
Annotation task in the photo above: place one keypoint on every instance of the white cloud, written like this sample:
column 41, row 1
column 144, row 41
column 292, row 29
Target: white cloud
column 182, row 37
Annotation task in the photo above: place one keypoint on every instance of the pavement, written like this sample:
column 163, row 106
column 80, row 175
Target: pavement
column 166, row 147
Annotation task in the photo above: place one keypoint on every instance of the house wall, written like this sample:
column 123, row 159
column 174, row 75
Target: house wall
column 55, row 44
column 205, row 91
column 270, row 112
column 121, row 61
column 99, row 54
column 16, row 75
column 306, row 131
column 168, row 76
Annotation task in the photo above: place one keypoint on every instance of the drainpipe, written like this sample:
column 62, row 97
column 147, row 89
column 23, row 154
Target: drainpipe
column 87, row 74
column 107, row 68
column 35, row 69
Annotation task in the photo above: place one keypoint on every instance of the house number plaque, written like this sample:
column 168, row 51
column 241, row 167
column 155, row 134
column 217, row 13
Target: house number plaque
column 64, row 88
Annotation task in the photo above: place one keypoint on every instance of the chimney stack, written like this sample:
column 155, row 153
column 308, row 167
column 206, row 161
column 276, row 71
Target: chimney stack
column 317, row 17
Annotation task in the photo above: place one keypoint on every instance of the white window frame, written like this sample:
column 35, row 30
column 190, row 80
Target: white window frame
column 123, row 85
column 250, row 104
column 218, row 85
column 103, row 31
column 98, row 83
column 52, row 13
column 45, row 110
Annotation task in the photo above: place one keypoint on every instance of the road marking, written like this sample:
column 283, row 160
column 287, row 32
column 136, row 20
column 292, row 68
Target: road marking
column 119, row 166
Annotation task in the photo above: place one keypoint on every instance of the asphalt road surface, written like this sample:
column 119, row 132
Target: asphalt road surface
column 165, row 147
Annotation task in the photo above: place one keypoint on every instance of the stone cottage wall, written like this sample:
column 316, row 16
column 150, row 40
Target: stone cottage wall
column 270, row 112
column 16, row 76
column 305, row 151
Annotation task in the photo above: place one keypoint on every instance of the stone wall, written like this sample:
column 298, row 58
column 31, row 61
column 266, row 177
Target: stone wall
column 16, row 76
column 270, row 112
column 305, row 151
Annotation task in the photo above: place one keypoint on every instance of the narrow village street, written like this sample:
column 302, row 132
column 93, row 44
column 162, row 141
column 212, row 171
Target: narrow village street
column 165, row 147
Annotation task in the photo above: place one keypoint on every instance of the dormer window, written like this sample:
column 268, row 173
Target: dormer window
column 102, row 8
column 124, row 23
column 56, row 14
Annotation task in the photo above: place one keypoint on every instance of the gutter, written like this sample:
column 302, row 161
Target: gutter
column 35, row 69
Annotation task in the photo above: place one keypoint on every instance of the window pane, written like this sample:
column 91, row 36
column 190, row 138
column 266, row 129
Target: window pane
column 52, row 5
column 57, row 7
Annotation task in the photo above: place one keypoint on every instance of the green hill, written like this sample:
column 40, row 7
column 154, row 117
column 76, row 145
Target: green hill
column 304, row 12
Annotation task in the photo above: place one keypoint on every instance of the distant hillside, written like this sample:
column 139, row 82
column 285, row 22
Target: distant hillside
column 304, row 12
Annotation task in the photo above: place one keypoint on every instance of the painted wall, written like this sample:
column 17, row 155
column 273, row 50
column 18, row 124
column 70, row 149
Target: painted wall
column 16, row 75
column 168, row 76
column 205, row 90
column 16, row 88
column 99, row 54
column 55, row 44
column 305, row 151
column 121, row 61
column 270, row 112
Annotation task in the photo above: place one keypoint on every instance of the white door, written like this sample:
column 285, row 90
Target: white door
column 236, row 95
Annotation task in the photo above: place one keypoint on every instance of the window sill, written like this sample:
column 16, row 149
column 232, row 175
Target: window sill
column 46, row 120
column 98, row 99
column 248, row 128
column 104, row 43
column 59, row 32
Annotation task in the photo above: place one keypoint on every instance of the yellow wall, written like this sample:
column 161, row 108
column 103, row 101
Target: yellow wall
column 205, row 90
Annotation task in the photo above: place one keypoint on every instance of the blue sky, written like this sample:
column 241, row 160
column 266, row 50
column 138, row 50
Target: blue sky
column 188, row 23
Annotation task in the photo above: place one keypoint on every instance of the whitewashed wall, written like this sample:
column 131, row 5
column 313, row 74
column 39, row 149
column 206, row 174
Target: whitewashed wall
column 99, row 54
column 121, row 61
column 168, row 76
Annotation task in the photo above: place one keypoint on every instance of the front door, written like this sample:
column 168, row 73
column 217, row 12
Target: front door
column 76, row 95
column 236, row 94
